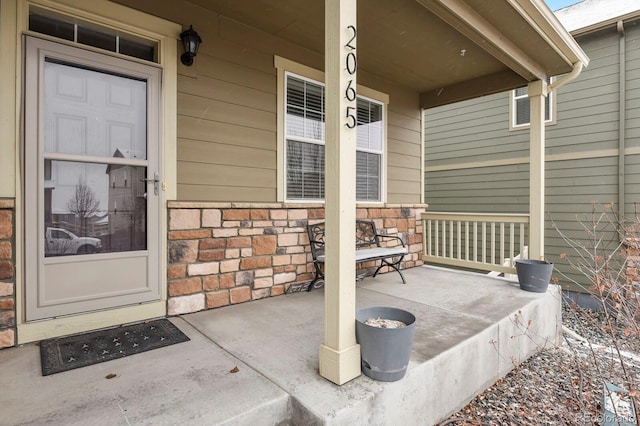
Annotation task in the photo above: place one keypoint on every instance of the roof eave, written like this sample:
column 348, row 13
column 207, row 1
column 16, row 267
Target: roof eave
column 548, row 26
column 523, row 70
column 633, row 16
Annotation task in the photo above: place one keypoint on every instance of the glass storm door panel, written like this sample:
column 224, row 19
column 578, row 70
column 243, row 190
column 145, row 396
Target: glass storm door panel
column 91, row 175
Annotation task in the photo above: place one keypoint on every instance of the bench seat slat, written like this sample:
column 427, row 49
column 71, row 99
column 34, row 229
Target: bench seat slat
column 376, row 253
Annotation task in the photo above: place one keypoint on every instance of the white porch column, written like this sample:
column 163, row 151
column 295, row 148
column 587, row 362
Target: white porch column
column 537, row 94
column 340, row 354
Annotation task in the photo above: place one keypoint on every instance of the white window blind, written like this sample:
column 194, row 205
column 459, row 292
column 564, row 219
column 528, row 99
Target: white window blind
column 305, row 137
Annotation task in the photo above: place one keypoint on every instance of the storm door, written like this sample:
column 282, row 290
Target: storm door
column 91, row 179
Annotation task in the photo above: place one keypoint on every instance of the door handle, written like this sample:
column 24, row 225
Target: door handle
column 156, row 182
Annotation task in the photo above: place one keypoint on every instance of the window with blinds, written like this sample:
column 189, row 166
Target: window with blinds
column 305, row 136
column 521, row 111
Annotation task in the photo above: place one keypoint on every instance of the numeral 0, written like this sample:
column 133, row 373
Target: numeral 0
column 352, row 63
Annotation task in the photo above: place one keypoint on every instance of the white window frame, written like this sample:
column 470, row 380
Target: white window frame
column 286, row 68
column 513, row 98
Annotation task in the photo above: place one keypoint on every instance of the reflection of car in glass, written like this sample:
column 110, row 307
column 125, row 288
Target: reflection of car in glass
column 60, row 241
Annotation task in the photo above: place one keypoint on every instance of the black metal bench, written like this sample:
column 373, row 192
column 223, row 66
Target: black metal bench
column 368, row 248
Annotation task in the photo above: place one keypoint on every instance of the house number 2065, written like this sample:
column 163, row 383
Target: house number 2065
column 351, row 66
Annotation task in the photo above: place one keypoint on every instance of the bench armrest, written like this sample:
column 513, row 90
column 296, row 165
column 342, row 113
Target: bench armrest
column 317, row 242
column 393, row 237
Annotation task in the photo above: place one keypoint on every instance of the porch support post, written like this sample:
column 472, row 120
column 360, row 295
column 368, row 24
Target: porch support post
column 537, row 95
column 340, row 354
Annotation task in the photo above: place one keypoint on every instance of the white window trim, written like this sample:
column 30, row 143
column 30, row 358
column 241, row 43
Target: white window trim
column 512, row 110
column 287, row 67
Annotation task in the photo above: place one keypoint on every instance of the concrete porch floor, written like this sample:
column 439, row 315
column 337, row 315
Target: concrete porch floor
column 470, row 331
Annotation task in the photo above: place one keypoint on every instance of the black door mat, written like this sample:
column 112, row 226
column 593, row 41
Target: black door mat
column 66, row 353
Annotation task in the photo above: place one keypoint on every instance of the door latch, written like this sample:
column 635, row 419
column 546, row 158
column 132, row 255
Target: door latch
column 156, row 183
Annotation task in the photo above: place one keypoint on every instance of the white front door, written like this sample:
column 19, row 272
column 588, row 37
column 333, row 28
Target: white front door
column 91, row 179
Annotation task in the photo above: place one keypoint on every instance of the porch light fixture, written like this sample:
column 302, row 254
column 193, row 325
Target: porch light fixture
column 191, row 42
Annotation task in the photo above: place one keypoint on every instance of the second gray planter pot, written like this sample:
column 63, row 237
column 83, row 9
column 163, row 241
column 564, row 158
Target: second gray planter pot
column 534, row 275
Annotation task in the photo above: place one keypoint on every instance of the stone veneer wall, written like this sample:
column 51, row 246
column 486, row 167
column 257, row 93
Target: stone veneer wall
column 226, row 253
column 7, row 274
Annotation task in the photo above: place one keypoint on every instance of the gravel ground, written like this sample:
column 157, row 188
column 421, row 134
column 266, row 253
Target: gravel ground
column 562, row 385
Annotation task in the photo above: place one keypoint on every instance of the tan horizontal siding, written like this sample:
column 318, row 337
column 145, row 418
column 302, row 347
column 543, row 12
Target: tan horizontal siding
column 196, row 106
column 400, row 160
column 226, row 69
column 404, row 121
column 397, row 198
column 225, row 193
column 195, row 151
column 404, row 135
column 403, row 187
column 228, row 93
column 403, row 174
column 225, row 175
column 226, row 133
column 405, row 148
column 245, row 57
column 244, row 35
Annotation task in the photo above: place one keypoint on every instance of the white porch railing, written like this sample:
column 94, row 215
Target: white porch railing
column 484, row 241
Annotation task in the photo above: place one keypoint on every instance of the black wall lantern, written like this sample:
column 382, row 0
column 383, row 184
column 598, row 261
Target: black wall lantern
column 191, row 42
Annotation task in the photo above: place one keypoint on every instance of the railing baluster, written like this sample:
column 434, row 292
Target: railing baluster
column 502, row 243
column 426, row 236
column 475, row 241
column 512, row 236
column 484, row 242
column 459, row 237
column 451, row 229
column 466, row 239
column 437, row 239
column 522, row 240
column 444, row 238
column 493, row 243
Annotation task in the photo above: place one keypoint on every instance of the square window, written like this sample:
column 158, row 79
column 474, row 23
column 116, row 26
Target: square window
column 521, row 108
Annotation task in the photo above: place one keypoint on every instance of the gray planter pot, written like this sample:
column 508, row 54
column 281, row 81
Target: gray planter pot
column 385, row 352
column 534, row 275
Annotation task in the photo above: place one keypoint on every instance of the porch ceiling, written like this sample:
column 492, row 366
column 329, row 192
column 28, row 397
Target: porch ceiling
column 448, row 50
